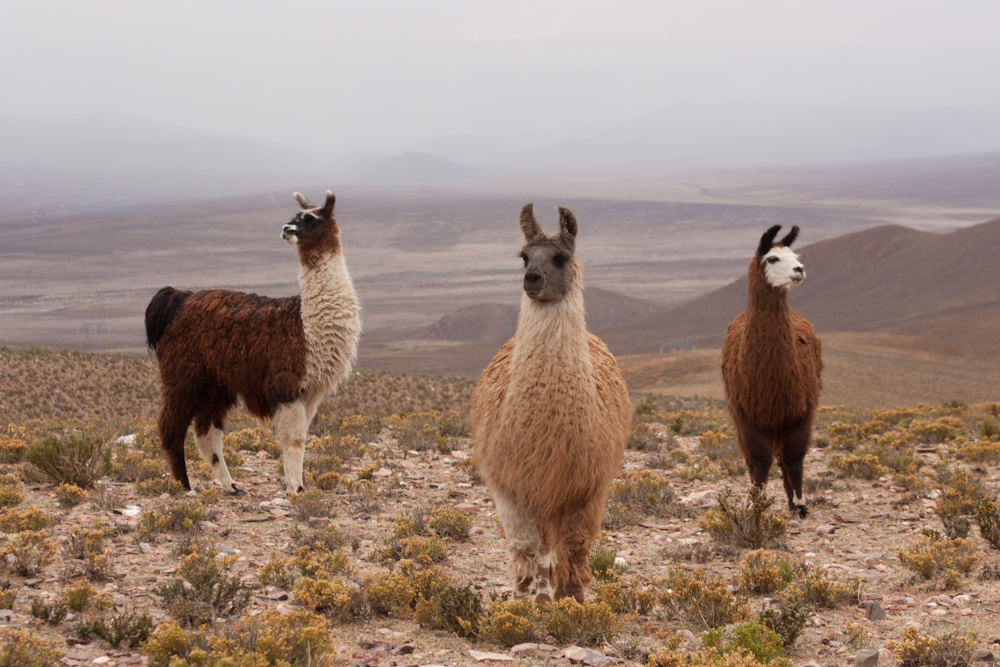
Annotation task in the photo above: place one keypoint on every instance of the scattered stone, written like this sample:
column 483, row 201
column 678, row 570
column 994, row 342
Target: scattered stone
column 866, row 657
column 586, row 656
column 100, row 661
column 707, row 498
column 7, row 615
column 405, row 649
column 847, row 518
column 277, row 595
column 281, row 502
column 319, row 521
column 263, row 455
column 382, row 472
column 482, row 656
column 810, row 664
column 825, row 529
column 873, row 611
column 983, row 655
column 145, row 548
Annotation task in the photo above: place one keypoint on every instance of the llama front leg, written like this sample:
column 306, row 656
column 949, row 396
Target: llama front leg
column 758, row 453
column 793, row 460
column 578, row 532
column 520, row 527
column 172, row 426
column 291, row 426
column 209, row 441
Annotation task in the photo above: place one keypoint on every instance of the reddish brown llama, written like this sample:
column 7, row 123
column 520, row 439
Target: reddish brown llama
column 771, row 367
column 550, row 417
column 280, row 356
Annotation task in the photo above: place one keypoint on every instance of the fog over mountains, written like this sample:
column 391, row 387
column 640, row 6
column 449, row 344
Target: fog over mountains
column 101, row 161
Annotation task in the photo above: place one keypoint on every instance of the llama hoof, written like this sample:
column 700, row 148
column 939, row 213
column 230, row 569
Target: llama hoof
column 799, row 512
column 236, row 493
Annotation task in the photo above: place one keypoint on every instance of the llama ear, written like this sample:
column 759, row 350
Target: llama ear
column 529, row 226
column 328, row 207
column 567, row 227
column 790, row 238
column 766, row 240
column 303, row 202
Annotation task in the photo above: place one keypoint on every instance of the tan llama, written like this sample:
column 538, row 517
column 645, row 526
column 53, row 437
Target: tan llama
column 550, row 417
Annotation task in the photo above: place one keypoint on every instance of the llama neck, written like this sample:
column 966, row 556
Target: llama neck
column 769, row 332
column 551, row 335
column 330, row 321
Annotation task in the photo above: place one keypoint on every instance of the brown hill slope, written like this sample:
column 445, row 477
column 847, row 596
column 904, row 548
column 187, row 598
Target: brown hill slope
column 498, row 322
column 888, row 279
column 862, row 371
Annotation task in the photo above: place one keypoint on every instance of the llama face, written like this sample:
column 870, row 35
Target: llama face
column 782, row 267
column 312, row 225
column 549, row 269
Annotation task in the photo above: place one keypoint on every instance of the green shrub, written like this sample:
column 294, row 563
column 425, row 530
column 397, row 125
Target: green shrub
column 813, row 588
column 158, row 486
column 73, row 459
column 934, row 556
column 752, row 525
column 916, row 649
column 587, row 624
column 451, row 608
column 24, row 648
column 28, row 552
column 70, row 495
column 447, row 522
column 52, row 613
column 211, row 590
column 14, row 520
column 509, row 622
column 765, row 572
column 704, row 603
column 10, row 491
column 129, row 627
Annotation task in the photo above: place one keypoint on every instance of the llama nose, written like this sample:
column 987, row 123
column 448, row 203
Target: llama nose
column 533, row 281
column 799, row 270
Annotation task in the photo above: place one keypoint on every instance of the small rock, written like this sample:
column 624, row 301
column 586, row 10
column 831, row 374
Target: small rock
column 318, row 521
column 262, row 454
column 620, row 562
column 586, row 656
column 982, row 655
column 825, row 529
column 866, row 657
column 810, row 664
column 7, row 615
column 528, row 649
column 126, row 439
column 145, row 548
column 277, row 595
column 100, row 661
column 874, row 611
column 281, row 502
column 483, row 656
column 382, row 472
column 707, row 498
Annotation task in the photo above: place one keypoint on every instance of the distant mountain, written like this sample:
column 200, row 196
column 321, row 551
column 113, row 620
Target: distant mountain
column 497, row 322
column 83, row 160
column 888, row 279
column 414, row 167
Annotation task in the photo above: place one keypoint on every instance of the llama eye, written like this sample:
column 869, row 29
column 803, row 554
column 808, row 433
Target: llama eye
column 524, row 257
column 772, row 260
column 560, row 261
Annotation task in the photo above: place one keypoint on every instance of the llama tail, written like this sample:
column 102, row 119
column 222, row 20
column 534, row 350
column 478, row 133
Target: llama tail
column 160, row 311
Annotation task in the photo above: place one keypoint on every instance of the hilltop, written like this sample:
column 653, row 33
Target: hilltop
column 888, row 279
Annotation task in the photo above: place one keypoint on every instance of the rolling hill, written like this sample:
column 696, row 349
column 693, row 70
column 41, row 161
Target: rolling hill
column 887, row 279
column 497, row 322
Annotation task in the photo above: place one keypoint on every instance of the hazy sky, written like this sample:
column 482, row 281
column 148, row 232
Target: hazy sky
column 344, row 75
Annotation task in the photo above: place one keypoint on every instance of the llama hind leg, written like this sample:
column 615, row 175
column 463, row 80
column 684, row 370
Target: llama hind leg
column 291, row 426
column 758, row 453
column 208, row 437
column 172, row 426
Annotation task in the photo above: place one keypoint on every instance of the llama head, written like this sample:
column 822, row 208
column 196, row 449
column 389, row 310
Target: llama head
column 550, row 269
column 782, row 267
column 313, row 225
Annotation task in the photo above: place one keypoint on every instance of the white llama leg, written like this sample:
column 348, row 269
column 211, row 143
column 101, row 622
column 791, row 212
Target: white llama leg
column 291, row 426
column 210, row 448
column 521, row 530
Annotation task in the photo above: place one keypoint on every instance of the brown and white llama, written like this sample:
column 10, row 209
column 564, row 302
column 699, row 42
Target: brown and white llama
column 280, row 356
column 550, row 417
column 771, row 366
